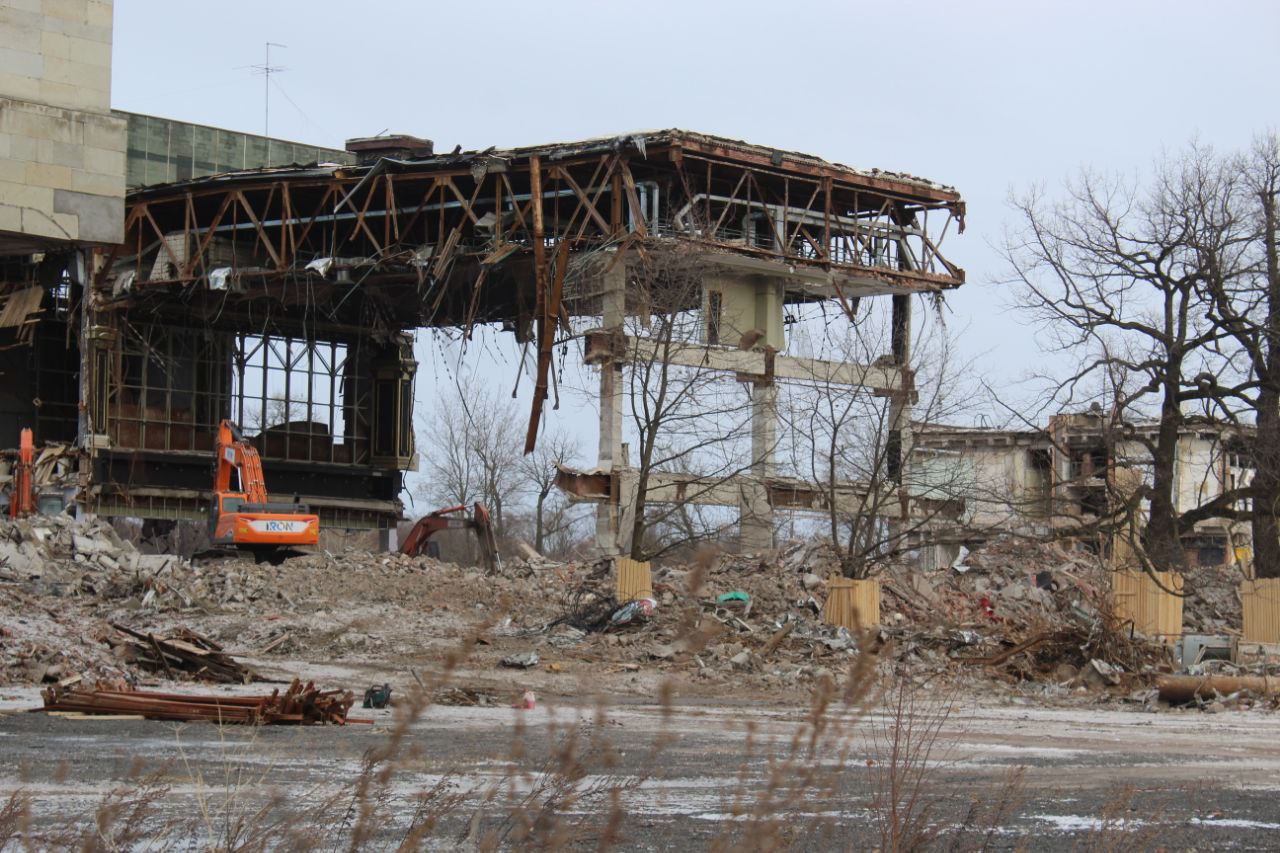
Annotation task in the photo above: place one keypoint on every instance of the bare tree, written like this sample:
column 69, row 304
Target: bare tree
column 1112, row 273
column 686, row 416
column 1242, row 283
column 551, row 514
column 472, row 451
column 839, row 439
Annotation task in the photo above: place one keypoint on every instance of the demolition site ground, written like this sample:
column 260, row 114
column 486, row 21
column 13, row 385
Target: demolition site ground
column 996, row 707
column 1093, row 779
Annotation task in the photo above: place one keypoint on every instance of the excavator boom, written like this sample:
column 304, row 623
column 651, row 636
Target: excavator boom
column 22, row 500
column 415, row 543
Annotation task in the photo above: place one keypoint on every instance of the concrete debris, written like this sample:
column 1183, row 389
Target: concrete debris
column 1025, row 619
column 521, row 660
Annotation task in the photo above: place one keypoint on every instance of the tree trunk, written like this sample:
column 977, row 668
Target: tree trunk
column 1160, row 538
column 537, row 522
column 1266, row 482
column 638, row 523
column 1266, row 452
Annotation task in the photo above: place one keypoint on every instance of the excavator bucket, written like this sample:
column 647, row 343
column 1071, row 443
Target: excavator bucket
column 488, row 539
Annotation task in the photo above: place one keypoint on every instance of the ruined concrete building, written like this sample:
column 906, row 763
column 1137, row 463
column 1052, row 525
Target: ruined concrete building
column 285, row 297
column 1056, row 480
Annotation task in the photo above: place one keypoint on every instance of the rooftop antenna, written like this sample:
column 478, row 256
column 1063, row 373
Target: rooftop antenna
column 266, row 69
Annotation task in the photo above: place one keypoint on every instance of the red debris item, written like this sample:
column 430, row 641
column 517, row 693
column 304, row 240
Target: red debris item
column 527, row 702
column 299, row 705
column 639, row 610
column 984, row 604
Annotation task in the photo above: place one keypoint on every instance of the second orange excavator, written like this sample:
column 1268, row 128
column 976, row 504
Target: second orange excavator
column 417, row 541
column 243, row 518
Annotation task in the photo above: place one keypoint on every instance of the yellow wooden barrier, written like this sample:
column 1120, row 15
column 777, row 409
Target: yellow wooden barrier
column 1154, row 612
column 852, row 603
column 1260, row 601
column 635, row 580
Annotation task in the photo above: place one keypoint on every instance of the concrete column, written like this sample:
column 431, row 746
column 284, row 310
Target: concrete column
column 755, row 516
column 613, row 314
column 764, row 428
column 388, row 539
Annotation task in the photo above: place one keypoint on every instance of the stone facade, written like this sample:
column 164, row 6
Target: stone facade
column 62, row 151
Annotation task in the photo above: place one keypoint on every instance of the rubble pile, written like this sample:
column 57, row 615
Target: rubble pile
column 49, row 565
column 1028, row 617
column 1212, row 603
column 1013, row 613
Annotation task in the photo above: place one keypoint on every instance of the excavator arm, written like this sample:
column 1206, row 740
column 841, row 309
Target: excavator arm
column 22, row 499
column 236, row 454
column 415, row 543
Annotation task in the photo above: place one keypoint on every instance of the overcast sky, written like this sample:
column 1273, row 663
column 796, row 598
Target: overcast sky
column 985, row 96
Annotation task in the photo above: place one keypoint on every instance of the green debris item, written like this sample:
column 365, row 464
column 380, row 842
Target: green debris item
column 736, row 595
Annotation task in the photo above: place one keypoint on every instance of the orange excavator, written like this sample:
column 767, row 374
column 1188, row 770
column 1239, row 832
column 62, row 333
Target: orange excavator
column 418, row 538
column 22, row 499
column 244, row 519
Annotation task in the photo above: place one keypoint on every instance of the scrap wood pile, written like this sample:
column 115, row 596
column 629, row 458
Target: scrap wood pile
column 300, row 704
column 181, row 652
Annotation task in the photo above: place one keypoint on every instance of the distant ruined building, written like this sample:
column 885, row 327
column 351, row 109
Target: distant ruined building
column 1055, row 481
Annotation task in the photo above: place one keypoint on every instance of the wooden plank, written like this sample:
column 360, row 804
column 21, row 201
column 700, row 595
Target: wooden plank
column 633, row 199
column 546, row 343
column 1260, row 603
column 1141, row 598
column 853, row 604
column 634, row 579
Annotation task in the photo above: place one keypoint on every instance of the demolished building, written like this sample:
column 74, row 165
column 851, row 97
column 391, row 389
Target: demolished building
column 1061, row 480
column 285, row 298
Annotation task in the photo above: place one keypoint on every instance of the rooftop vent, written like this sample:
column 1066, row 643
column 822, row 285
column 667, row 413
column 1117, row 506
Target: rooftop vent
column 369, row 149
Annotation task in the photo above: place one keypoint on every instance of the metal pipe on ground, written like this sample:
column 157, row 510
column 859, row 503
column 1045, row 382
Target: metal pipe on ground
column 1180, row 689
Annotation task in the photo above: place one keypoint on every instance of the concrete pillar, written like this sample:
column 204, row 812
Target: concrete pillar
column 613, row 314
column 388, row 539
column 764, row 428
column 755, row 511
column 755, row 517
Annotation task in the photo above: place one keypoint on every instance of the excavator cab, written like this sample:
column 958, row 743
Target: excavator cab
column 244, row 519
